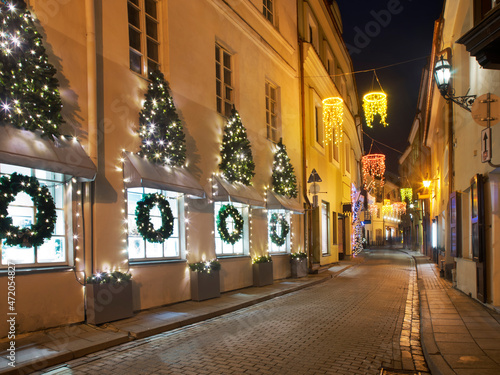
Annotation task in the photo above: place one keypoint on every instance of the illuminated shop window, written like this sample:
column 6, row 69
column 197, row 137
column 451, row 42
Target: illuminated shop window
column 240, row 247
column 22, row 211
column 140, row 249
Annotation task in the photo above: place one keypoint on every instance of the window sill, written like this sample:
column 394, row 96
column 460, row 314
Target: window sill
column 279, row 254
column 34, row 270
column 136, row 263
column 227, row 257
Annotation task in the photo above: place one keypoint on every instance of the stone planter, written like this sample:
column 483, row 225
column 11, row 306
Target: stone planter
column 108, row 302
column 205, row 285
column 299, row 267
column 262, row 273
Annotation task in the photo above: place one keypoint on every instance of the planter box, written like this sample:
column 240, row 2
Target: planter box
column 299, row 267
column 205, row 285
column 108, row 302
column 262, row 274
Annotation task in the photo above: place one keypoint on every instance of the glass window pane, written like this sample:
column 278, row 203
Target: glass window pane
column 219, row 105
column 228, row 93
column 136, row 247
column 227, row 60
column 151, row 8
column 59, row 229
column 134, row 16
column 152, row 66
column 217, row 53
column 154, row 250
column 52, row 251
column 152, row 50
column 22, row 199
column 171, row 248
column 134, row 37
column 9, row 169
column 217, row 70
column 227, row 77
column 17, row 254
column 218, row 87
column 136, row 2
column 22, row 217
column 151, row 28
column 227, row 108
column 135, row 62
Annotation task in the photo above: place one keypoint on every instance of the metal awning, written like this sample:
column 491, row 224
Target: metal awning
column 28, row 149
column 222, row 190
column 140, row 172
column 279, row 202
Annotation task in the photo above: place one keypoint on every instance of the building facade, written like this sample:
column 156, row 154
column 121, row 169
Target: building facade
column 216, row 56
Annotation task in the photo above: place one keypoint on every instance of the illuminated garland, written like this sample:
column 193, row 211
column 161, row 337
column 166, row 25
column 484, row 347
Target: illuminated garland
column 373, row 166
column 45, row 218
column 399, row 208
column 375, row 103
column 29, row 94
column 163, row 140
column 262, row 259
column 237, row 163
column 373, row 209
column 278, row 239
column 357, row 230
column 205, row 267
column 333, row 118
column 406, row 194
column 143, row 219
column 284, row 180
column 387, row 208
column 115, row 277
column 237, row 233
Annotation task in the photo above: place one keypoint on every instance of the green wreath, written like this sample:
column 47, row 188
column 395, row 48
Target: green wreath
column 285, row 228
column 45, row 218
column 143, row 219
column 224, row 212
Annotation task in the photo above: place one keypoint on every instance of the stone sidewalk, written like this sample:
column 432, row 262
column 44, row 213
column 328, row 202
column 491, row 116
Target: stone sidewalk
column 39, row 350
column 459, row 335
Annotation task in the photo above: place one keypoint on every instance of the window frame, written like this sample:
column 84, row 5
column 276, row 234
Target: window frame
column 269, row 113
column 179, row 215
column 221, row 84
column 286, row 245
column 66, row 209
column 317, row 120
column 325, row 229
column 269, row 12
column 145, row 37
column 347, row 155
column 244, row 211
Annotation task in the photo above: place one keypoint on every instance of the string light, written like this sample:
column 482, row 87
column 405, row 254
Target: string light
column 333, row 118
column 399, row 208
column 373, row 166
column 406, row 194
column 375, row 103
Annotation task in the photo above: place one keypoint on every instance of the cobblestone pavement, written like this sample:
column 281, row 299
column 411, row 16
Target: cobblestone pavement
column 351, row 324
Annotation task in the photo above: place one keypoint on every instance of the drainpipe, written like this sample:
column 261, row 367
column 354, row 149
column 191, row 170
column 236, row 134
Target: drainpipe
column 92, row 109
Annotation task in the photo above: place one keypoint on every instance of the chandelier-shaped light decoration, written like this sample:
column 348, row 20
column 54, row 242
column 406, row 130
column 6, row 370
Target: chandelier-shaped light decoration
column 406, row 194
column 375, row 103
column 387, row 208
column 373, row 168
column 333, row 117
column 399, row 208
column 373, row 209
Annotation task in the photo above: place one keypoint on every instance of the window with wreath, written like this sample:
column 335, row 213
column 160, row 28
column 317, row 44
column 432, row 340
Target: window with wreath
column 278, row 222
column 231, row 228
column 50, row 248
column 163, row 240
column 143, row 31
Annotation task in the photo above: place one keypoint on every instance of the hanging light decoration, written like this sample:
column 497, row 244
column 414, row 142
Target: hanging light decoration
column 333, row 117
column 399, row 208
column 387, row 208
column 373, row 209
column 406, row 194
column 375, row 103
column 373, row 168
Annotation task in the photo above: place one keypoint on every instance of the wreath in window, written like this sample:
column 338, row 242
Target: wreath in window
column 278, row 239
column 143, row 219
column 45, row 217
column 226, row 211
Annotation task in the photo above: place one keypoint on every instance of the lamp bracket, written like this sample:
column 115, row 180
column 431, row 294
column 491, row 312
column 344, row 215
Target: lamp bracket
column 463, row 101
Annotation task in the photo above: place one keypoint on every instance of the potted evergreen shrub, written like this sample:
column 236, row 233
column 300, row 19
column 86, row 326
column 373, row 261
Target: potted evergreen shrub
column 108, row 297
column 262, row 270
column 298, row 262
column 205, row 280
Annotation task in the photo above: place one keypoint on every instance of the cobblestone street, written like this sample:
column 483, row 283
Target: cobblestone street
column 350, row 324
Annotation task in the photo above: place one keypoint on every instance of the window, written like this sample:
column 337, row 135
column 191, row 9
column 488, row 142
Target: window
column 334, row 227
column 312, row 30
column 335, row 151
column 273, row 248
column 140, row 249
column 267, row 10
column 325, row 228
column 22, row 211
column 318, row 119
column 223, row 80
column 240, row 247
column 272, row 118
column 347, row 148
column 143, row 32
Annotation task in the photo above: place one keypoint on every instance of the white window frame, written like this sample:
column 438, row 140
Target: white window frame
column 317, row 120
column 147, row 60
column 224, row 80
column 268, row 10
column 134, row 238
column 273, row 248
column 325, row 228
column 312, row 29
column 240, row 248
column 273, row 114
column 347, row 155
column 63, row 227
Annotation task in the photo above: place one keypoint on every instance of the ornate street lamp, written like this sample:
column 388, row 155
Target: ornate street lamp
column 442, row 76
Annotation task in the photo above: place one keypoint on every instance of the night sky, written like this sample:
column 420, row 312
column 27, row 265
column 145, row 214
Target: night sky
column 386, row 32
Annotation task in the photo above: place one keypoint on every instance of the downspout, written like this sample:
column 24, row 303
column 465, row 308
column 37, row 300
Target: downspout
column 92, row 109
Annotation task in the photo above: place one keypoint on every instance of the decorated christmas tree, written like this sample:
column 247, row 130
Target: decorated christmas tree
column 284, row 180
column 163, row 140
column 237, row 163
column 29, row 94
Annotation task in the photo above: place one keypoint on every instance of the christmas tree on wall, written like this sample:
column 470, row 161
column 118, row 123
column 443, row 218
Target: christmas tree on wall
column 29, row 94
column 163, row 140
column 237, row 163
column 284, row 180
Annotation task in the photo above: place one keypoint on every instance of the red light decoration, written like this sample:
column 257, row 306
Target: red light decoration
column 373, row 168
column 399, row 208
